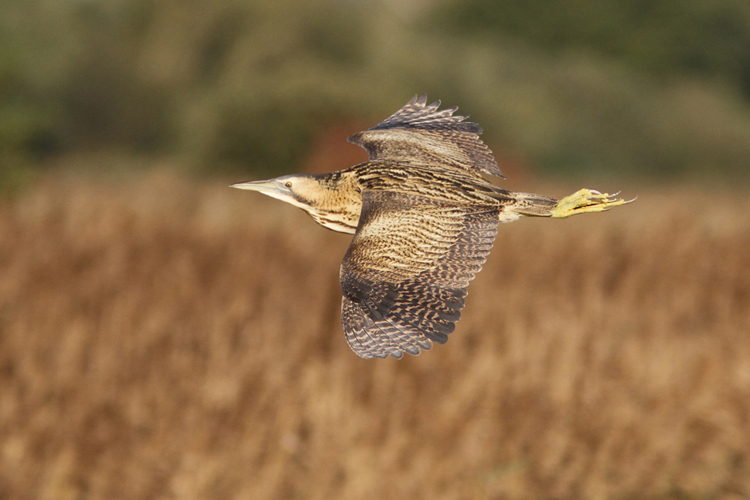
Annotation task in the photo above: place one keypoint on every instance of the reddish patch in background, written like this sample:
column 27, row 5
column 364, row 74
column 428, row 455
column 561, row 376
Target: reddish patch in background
column 513, row 165
column 331, row 152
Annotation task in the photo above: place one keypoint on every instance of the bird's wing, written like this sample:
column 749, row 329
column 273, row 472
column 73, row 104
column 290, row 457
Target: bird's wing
column 405, row 274
column 419, row 132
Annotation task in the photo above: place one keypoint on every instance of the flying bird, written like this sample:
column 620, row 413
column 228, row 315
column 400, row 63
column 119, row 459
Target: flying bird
column 423, row 219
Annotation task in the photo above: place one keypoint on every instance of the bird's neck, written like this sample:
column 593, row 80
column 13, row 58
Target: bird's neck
column 338, row 202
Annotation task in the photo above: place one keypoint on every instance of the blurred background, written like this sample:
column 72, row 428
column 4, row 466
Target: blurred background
column 162, row 336
column 635, row 89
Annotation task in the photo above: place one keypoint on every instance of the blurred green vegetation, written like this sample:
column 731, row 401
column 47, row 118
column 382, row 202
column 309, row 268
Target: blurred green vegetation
column 597, row 87
column 664, row 37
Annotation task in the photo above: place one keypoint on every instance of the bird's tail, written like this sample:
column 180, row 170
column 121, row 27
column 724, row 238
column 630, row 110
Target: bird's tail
column 582, row 201
column 531, row 204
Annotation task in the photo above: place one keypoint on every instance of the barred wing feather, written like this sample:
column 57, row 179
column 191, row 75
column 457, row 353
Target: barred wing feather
column 405, row 274
column 419, row 132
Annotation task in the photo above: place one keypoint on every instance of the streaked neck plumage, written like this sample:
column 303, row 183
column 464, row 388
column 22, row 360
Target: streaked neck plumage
column 334, row 200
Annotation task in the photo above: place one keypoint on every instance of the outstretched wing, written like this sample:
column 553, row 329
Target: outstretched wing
column 419, row 132
column 405, row 274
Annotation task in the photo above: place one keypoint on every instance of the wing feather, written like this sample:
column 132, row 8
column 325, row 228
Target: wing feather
column 405, row 274
column 419, row 132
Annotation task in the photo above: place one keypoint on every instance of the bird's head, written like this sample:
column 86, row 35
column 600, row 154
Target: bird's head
column 333, row 200
column 298, row 190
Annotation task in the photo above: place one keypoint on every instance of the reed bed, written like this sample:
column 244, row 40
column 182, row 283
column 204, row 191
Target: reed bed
column 168, row 339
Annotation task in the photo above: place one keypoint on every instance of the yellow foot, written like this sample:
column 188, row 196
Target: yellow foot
column 584, row 201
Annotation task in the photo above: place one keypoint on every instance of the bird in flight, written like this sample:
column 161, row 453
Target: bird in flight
column 423, row 220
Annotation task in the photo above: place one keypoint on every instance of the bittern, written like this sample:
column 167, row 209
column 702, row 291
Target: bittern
column 423, row 220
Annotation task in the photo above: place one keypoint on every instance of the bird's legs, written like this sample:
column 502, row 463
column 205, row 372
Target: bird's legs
column 584, row 201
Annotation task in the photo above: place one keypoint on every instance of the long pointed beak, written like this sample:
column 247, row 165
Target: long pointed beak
column 270, row 187
column 275, row 188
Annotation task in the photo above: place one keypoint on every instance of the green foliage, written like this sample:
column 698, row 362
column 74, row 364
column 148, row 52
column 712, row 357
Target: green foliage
column 270, row 135
column 67, row 82
column 660, row 36
column 595, row 87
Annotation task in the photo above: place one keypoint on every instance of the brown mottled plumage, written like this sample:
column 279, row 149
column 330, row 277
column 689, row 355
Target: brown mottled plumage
column 423, row 220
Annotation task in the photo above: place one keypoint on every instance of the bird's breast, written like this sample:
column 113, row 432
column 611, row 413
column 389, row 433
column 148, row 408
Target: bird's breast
column 342, row 222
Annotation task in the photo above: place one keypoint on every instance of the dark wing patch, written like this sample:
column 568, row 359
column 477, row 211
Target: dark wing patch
column 419, row 132
column 405, row 274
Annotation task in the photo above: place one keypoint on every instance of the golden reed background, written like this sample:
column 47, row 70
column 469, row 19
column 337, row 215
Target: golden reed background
column 161, row 339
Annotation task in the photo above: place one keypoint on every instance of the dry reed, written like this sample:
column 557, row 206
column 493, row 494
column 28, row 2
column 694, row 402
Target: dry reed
column 160, row 339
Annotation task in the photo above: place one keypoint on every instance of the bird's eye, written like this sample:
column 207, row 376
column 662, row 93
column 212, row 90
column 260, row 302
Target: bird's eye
column 288, row 184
